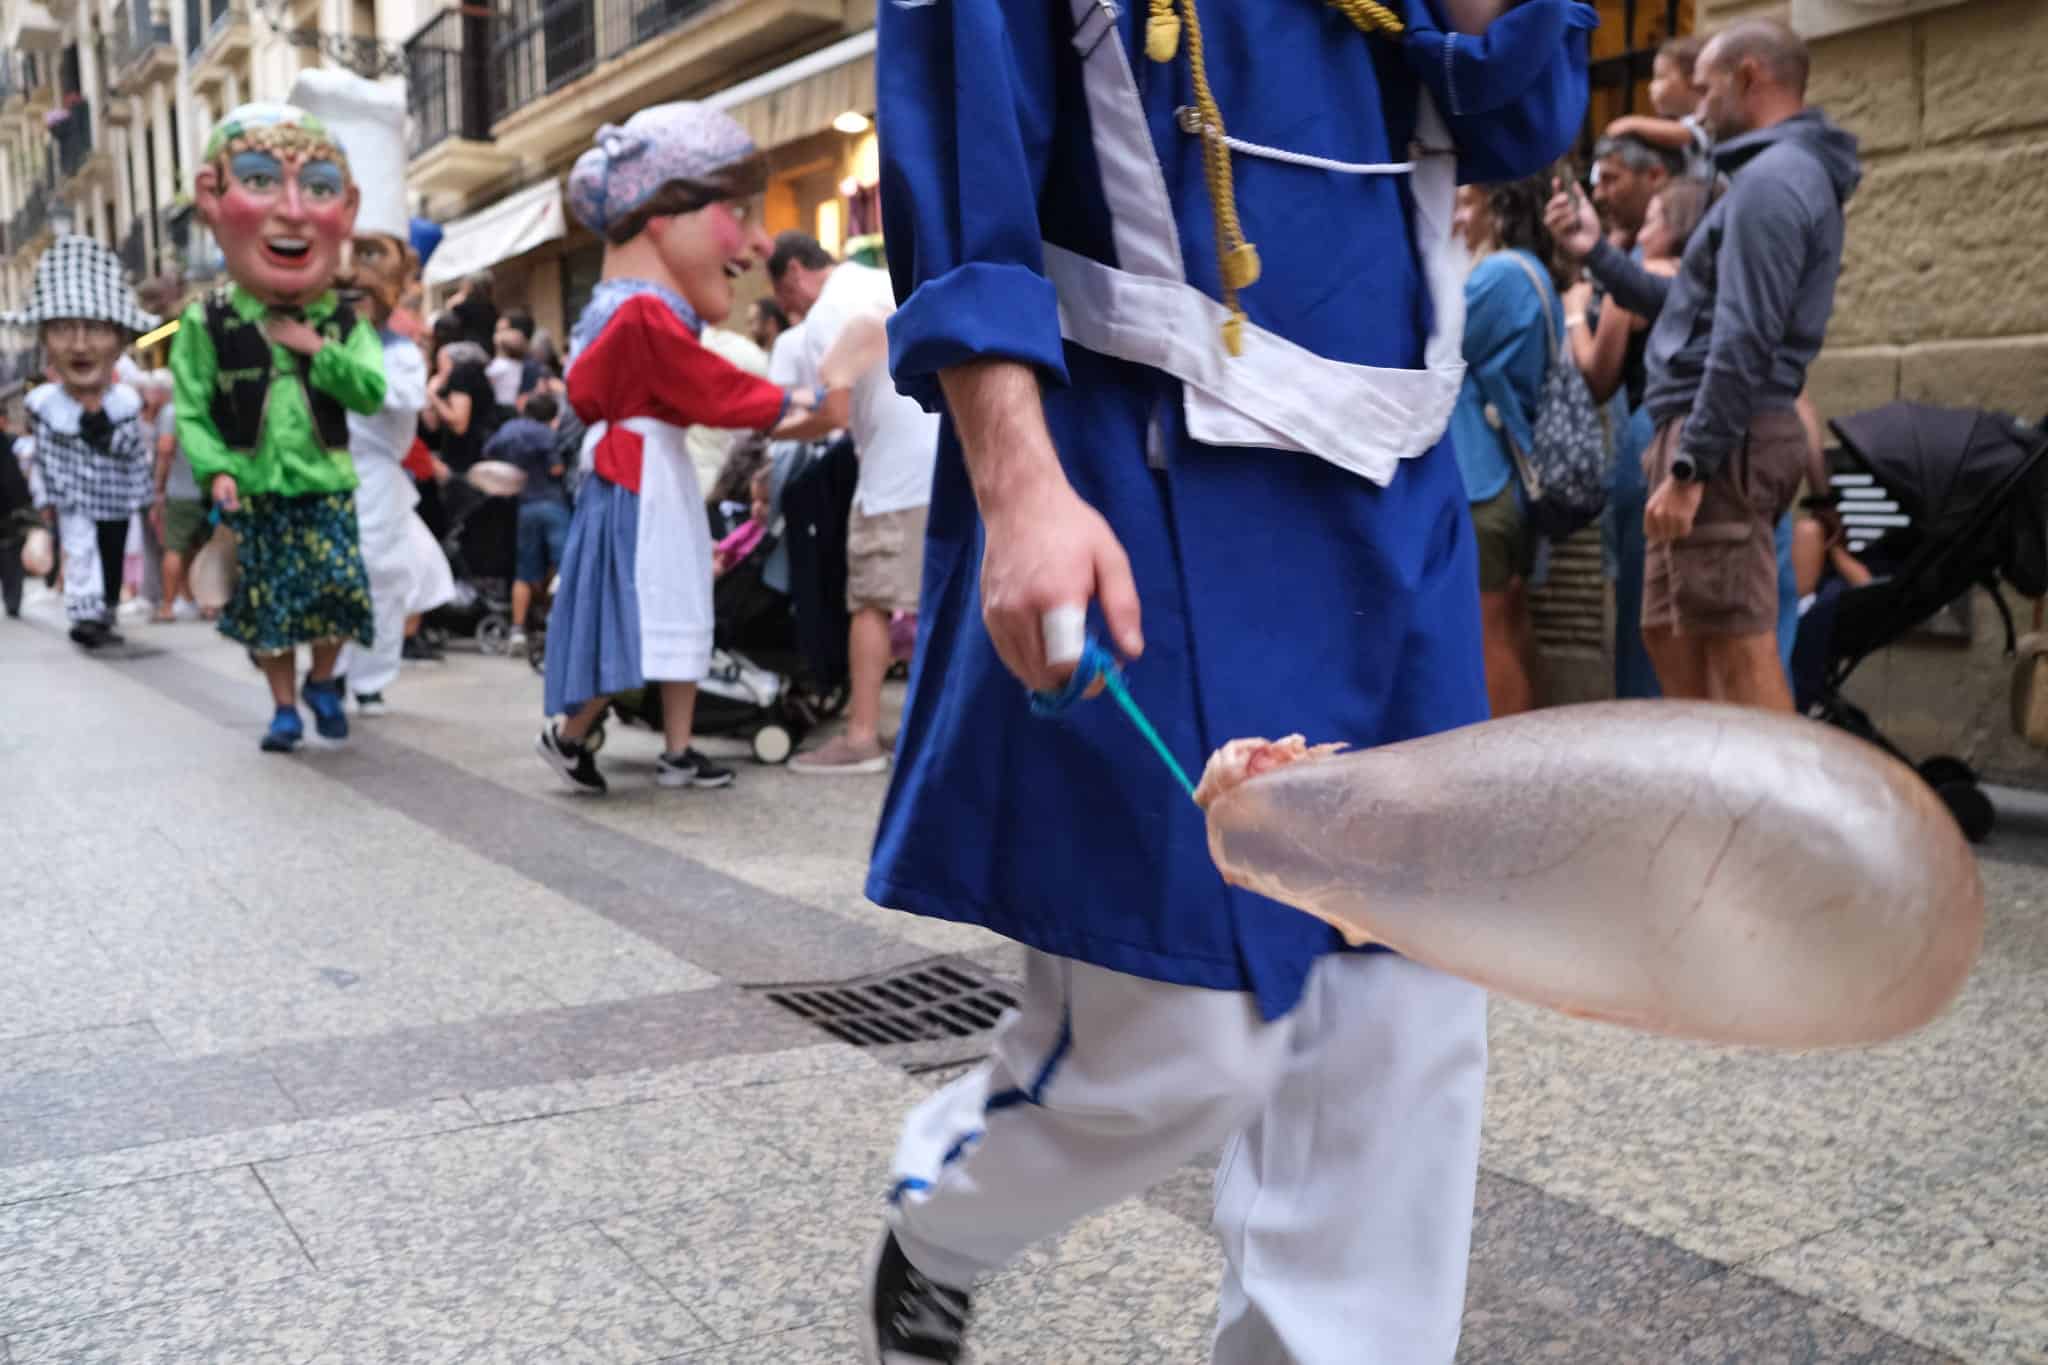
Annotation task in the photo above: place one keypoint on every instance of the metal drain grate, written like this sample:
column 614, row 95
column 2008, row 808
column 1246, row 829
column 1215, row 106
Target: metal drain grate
column 926, row 1002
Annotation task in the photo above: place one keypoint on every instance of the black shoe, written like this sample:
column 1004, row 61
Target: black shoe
column 690, row 769
column 419, row 651
column 908, row 1319
column 89, row 634
column 571, row 760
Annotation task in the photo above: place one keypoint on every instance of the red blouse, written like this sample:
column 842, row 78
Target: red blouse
column 645, row 363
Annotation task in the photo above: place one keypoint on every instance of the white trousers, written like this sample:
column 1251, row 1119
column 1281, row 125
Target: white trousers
column 407, row 571
column 1344, row 1196
column 85, row 593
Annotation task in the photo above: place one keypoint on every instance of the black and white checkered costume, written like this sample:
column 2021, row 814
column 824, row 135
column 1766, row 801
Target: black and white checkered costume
column 105, row 485
column 79, row 278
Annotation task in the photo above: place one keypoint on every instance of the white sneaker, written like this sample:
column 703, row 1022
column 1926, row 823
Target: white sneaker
column 185, row 609
column 134, row 610
column 515, row 642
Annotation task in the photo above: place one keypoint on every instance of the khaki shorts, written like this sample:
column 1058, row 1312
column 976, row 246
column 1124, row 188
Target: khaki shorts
column 884, row 559
column 1506, row 549
column 185, row 526
column 1723, row 578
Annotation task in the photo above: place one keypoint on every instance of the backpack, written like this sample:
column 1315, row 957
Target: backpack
column 1564, row 471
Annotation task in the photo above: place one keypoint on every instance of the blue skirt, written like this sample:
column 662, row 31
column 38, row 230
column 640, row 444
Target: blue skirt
column 594, row 625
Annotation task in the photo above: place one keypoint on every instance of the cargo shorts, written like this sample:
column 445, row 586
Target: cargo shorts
column 1723, row 578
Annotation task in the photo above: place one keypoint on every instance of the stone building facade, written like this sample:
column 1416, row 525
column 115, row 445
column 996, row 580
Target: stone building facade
column 1944, row 289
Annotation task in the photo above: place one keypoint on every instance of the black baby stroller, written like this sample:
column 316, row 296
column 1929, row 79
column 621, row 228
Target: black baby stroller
column 480, row 545
column 1972, row 488
column 778, row 662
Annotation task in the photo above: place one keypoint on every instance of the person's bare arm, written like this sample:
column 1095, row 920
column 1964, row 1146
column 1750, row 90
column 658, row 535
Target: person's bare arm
column 1043, row 546
column 1848, row 567
column 1668, row 133
column 166, row 451
column 453, row 410
column 1599, row 352
column 861, row 346
column 1819, row 483
column 812, row 424
column 1472, row 16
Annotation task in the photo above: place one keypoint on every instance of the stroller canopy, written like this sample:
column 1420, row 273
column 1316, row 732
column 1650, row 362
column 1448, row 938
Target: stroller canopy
column 1943, row 465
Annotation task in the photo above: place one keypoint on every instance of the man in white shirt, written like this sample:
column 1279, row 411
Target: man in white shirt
column 845, row 346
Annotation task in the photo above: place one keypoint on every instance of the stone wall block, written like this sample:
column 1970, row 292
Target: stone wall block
column 1945, row 247
column 1985, row 69
column 2009, row 374
column 1844, row 381
column 1864, row 80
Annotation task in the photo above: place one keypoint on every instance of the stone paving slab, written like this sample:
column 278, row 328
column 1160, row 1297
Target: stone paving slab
column 564, row 1298
column 507, row 1181
column 1964, row 1268
column 69, row 1258
column 163, row 1160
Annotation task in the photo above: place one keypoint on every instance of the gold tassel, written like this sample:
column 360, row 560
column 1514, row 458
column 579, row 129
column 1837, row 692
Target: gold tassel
column 1241, row 266
column 1162, row 32
column 1233, row 333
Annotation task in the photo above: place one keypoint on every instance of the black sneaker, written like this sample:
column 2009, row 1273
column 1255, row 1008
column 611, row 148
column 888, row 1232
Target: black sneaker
column 908, row 1319
column 89, row 634
column 571, row 760
column 419, row 651
column 690, row 769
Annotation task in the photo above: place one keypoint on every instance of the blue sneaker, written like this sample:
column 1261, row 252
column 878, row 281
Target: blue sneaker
column 286, row 730
column 329, row 716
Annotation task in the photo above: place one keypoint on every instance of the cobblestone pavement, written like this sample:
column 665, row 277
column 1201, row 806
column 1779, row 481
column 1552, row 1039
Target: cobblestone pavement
column 398, row 1053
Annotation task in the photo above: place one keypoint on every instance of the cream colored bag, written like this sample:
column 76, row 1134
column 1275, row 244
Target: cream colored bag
column 2030, row 690
column 38, row 553
column 211, row 578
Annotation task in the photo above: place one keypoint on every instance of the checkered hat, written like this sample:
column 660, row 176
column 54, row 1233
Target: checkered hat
column 79, row 278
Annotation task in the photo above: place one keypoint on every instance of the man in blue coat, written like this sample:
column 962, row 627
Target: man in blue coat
column 1179, row 275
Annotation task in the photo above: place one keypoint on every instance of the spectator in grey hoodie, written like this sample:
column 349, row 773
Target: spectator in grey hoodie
column 1732, row 336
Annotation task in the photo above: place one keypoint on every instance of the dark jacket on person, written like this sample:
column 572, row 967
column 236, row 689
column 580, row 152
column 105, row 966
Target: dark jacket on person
column 1736, row 328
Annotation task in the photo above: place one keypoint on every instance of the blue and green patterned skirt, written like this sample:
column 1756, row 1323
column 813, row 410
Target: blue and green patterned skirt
column 301, row 573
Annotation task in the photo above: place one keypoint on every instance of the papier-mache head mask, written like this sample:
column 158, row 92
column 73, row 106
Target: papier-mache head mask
column 274, row 186
column 366, row 119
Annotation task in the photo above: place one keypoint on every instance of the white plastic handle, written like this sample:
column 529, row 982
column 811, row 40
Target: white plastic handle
column 1066, row 632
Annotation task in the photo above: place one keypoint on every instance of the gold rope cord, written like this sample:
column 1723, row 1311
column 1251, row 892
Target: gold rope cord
column 1237, row 259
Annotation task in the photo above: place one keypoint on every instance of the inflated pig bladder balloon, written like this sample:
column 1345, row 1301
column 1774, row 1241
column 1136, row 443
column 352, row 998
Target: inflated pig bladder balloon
column 1704, row 871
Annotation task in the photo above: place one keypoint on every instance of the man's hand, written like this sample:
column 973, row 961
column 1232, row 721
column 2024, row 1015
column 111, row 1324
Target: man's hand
column 156, row 517
column 224, row 496
column 1669, row 513
column 1573, row 222
column 294, row 335
column 1043, row 546
column 1046, row 548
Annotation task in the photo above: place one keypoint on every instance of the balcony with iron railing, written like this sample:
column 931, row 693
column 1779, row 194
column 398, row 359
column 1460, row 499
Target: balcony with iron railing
column 31, row 220
column 74, row 140
column 559, row 68
column 134, row 251
column 542, row 47
column 139, row 43
column 214, row 29
column 448, row 69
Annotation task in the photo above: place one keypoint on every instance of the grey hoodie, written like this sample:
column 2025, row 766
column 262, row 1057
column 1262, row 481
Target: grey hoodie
column 1737, row 326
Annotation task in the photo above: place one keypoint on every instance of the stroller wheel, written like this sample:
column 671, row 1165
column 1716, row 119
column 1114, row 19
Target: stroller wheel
column 492, row 632
column 1943, row 769
column 1971, row 808
column 773, row 744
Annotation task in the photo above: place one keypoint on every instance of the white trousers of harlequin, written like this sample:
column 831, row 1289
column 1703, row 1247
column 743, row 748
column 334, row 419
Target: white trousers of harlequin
column 1344, row 1195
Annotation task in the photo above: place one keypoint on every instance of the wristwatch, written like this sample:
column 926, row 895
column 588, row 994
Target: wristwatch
column 1683, row 469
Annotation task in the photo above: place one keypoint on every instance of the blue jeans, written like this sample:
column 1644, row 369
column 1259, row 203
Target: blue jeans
column 543, row 528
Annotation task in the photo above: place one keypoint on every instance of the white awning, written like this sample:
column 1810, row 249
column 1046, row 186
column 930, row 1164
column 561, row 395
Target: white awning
column 511, row 227
column 802, row 97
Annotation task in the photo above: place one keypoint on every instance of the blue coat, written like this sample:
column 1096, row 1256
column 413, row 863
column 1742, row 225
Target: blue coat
column 1279, row 593
column 1506, row 358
